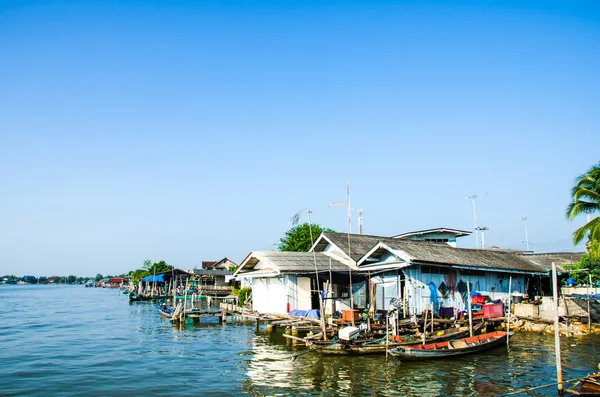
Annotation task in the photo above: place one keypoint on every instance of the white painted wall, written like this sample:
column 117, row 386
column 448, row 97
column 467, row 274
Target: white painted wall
column 386, row 288
column 272, row 294
column 269, row 295
column 303, row 293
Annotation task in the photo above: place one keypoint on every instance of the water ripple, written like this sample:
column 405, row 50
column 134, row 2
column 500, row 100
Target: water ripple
column 75, row 341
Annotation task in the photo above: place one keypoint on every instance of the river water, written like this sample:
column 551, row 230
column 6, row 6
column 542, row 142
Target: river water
column 76, row 341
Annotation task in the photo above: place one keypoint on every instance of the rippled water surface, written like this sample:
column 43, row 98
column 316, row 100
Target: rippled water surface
column 71, row 340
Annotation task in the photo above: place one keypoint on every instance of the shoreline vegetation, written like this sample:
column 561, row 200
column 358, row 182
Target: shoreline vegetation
column 70, row 280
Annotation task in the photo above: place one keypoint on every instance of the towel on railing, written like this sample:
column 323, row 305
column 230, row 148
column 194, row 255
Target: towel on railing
column 446, row 312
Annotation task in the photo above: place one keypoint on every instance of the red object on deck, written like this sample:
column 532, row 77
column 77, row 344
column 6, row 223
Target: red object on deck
column 493, row 310
column 347, row 315
column 477, row 300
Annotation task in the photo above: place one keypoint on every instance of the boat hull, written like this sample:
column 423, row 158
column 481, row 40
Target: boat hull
column 588, row 386
column 451, row 348
column 381, row 348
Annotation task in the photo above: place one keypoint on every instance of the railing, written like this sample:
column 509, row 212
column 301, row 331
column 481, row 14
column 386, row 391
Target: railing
column 221, row 290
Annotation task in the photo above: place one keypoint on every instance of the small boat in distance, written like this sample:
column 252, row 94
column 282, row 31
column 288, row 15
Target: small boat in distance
column 451, row 348
column 588, row 386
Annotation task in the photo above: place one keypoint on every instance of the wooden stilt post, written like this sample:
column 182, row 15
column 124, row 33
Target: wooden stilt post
column 432, row 314
column 322, row 312
column 559, row 378
column 588, row 303
column 387, row 335
column 508, row 316
column 469, row 308
column 423, row 337
column 404, row 296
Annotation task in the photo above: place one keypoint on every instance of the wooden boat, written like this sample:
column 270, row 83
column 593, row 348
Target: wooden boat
column 166, row 311
column 379, row 346
column 588, row 386
column 135, row 297
column 451, row 348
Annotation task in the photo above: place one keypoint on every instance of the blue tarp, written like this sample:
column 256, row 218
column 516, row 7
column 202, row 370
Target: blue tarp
column 157, row 278
column 433, row 296
column 305, row 313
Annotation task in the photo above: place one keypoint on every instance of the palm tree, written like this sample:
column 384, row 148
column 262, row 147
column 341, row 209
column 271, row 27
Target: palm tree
column 586, row 200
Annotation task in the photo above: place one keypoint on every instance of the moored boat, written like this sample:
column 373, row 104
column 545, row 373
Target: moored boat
column 357, row 347
column 588, row 386
column 135, row 297
column 166, row 311
column 451, row 348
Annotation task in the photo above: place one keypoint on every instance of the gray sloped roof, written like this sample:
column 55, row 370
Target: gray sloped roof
column 359, row 243
column 445, row 254
column 290, row 262
column 456, row 232
column 560, row 258
column 212, row 272
column 437, row 253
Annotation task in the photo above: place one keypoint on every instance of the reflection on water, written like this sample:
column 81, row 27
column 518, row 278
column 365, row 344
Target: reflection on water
column 61, row 340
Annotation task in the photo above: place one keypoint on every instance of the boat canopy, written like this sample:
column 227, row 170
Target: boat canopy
column 158, row 278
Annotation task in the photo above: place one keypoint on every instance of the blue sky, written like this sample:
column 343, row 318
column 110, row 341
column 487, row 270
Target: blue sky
column 190, row 131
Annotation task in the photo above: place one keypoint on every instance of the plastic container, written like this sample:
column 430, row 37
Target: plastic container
column 347, row 315
column 493, row 310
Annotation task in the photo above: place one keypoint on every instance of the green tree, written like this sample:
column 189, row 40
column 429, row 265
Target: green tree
column 160, row 267
column 137, row 275
column 71, row 279
column 98, row 277
column 586, row 200
column 298, row 239
column 30, row 279
column 580, row 272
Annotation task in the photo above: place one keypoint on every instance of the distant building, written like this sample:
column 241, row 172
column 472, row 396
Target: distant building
column 208, row 264
column 211, row 282
column 439, row 235
column 223, row 264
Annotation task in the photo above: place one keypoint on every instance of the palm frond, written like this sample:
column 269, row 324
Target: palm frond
column 579, row 235
column 594, row 229
column 586, row 193
column 580, row 207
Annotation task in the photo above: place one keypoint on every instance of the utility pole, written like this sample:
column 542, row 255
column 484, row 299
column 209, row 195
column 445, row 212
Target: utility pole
column 482, row 229
column 472, row 198
column 524, row 219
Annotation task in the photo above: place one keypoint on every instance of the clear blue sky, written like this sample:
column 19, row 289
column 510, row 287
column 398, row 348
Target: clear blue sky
column 189, row 131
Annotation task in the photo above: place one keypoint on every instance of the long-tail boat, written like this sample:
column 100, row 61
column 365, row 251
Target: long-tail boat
column 379, row 346
column 451, row 348
column 588, row 386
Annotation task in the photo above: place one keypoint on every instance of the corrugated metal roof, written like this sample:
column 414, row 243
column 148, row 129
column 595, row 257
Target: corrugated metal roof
column 291, row 262
column 560, row 258
column 456, row 232
column 440, row 253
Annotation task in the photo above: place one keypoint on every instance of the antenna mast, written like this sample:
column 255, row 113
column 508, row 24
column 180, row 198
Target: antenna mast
column 360, row 221
column 349, row 212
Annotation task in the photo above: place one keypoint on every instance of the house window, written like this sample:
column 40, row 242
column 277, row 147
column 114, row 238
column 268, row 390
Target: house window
column 431, row 270
column 343, row 291
column 472, row 272
column 437, row 240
